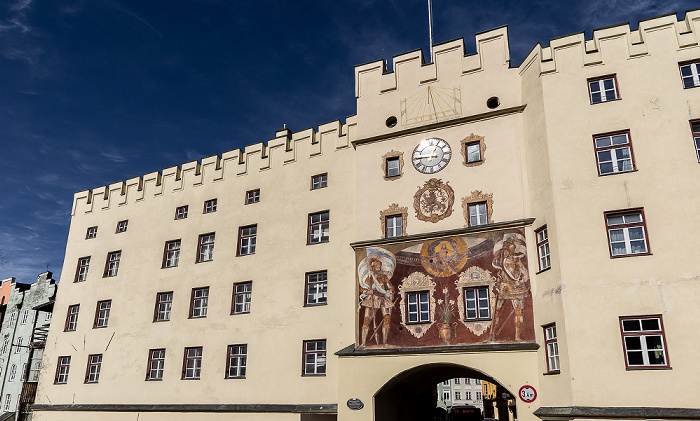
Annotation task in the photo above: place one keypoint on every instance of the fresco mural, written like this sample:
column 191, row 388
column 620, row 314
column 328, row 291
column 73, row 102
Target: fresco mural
column 461, row 290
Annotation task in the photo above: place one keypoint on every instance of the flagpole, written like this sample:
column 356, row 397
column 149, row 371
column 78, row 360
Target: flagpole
column 430, row 29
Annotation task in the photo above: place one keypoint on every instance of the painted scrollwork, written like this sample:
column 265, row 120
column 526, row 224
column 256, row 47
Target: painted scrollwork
column 475, row 276
column 470, row 140
column 389, row 155
column 476, row 197
column 413, row 283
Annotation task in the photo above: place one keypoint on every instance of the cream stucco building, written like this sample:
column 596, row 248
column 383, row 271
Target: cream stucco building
column 532, row 226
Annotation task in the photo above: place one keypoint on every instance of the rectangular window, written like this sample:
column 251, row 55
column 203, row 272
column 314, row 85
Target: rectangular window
column 164, row 302
column 478, row 214
column 13, row 316
column 394, row 226
column 468, row 396
column 314, row 358
column 209, row 206
column 91, row 233
column 613, row 153
column 192, row 367
column 543, row 248
column 418, row 307
column 82, row 271
column 478, row 396
column 319, row 181
column 456, row 380
column 695, row 125
column 242, row 294
column 247, row 238
column 468, row 381
column 476, row 303
column 13, row 372
column 181, row 212
column 318, row 227
column 316, row 288
column 8, row 401
column 237, row 359
column 92, row 374
column 205, row 248
column 102, row 313
column 690, row 74
column 18, row 347
column 473, row 150
column 171, row 255
column 446, row 395
column 644, row 342
column 23, row 374
column 552, row 348
column 24, row 318
column 72, row 318
column 458, row 396
column 603, row 89
column 252, row 196
column 112, row 264
column 5, row 344
column 121, row 226
column 393, row 168
column 626, row 233
column 200, row 300
column 62, row 370
column 156, row 364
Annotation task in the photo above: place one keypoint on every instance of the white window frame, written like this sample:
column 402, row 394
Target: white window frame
column 393, row 167
column 237, row 361
column 252, row 196
column 25, row 317
column 418, row 307
column 156, row 364
column 172, row 253
column 551, row 348
column 122, row 226
column 694, row 77
column 629, row 333
column 473, row 152
column 102, row 313
column 205, row 247
column 113, row 259
column 543, row 253
column 478, row 304
column 478, row 213
column 319, row 227
column 192, row 367
column 695, row 130
column 72, row 318
column 319, row 181
column 209, row 206
column 93, row 369
column 314, row 361
column 181, row 212
column 13, row 372
column 91, row 233
column 242, row 297
column 163, row 306
column 8, row 401
column 200, row 302
column 316, row 288
column 619, row 232
column 614, row 144
column 597, row 86
column 62, row 370
column 394, row 226
column 83, row 267
column 247, row 240
column 18, row 346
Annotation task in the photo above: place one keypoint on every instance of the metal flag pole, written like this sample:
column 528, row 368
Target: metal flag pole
column 430, row 28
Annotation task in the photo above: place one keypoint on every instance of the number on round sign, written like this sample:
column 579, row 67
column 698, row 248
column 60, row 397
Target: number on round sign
column 527, row 394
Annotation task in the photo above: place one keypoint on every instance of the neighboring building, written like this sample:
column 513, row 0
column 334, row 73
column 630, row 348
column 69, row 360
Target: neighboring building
column 472, row 220
column 17, row 335
column 460, row 391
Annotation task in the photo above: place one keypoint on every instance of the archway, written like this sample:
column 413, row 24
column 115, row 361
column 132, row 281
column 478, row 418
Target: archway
column 411, row 395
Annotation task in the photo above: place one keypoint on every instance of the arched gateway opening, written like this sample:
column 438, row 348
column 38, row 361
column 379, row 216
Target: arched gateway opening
column 412, row 394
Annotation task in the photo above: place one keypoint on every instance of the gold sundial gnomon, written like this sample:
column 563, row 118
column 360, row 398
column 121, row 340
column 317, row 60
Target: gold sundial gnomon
column 430, row 105
column 433, row 202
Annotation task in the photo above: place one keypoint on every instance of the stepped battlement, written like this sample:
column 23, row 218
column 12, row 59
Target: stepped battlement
column 285, row 148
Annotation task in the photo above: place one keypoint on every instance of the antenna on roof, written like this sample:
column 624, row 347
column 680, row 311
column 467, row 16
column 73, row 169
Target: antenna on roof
column 430, row 28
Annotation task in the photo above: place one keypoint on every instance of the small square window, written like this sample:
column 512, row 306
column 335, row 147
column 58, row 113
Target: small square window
column 552, row 348
column 112, row 264
column 209, row 206
column 205, row 248
column 62, row 370
column 473, row 150
column 695, row 126
column 316, row 288
column 82, row 271
column 91, row 233
column 71, row 318
column 418, row 307
column 394, row 226
column 252, row 196
column 242, row 295
column 603, row 89
column 478, row 214
column 156, row 364
column 199, row 303
column 164, row 303
column 314, row 363
column 543, row 248
column 121, row 226
column 627, row 232
column 644, row 342
column 319, row 181
column 476, row 303
column 393, row 167
column 92, row 374
column 614, row 153
column 318, row 227
column 247, row 239
column 237, row 360
column 192, row 367
column 102, row 313
column 171, row 255
column 181, row 212
column 690, row 74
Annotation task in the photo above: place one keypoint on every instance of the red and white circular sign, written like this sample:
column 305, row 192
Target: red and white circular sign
column 527, row 393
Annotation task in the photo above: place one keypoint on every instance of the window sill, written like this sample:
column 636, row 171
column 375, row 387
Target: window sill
column 203, row 261
column 315, row 305
column 190, row 378
column 317, row 188
column 235, row 377
column 233, row 313
column 246, row 254
column 318, row 242
column 56, row 383
column 313, row 375
column 161, row 321
column 170, row 267
column 551, row 373
column 418, row 323
column 631, row 255
column 99, row 327
column 154, row 380
column 617, row 172
column 543, row 270
column 197, row 317
column 478, row 320
column 606, row 101
column 643, row 368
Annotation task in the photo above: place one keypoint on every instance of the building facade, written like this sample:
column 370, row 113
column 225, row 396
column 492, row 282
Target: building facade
column 513, row 224
column 26, row 313
column 460, row 391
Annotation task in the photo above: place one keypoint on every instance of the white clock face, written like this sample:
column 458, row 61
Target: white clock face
column 431, row 155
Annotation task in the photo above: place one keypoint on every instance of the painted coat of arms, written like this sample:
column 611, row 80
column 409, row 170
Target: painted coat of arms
column 433, row 202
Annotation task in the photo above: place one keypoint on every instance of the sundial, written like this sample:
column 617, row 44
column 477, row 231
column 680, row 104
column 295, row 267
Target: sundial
column 430, row 105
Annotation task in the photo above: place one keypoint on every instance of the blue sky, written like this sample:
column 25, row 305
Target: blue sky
column 97, row 91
